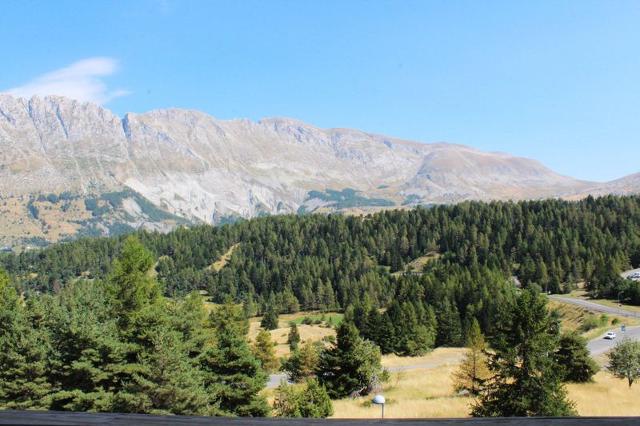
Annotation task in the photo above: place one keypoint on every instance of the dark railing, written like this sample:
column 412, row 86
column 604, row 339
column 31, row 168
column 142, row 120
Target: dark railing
column 51, row 418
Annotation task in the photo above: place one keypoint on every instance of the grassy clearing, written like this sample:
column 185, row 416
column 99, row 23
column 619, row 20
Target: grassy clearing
column 334, row 318
column 308, row 333
column 418, row 264
column 411, row 394
column 439, row 356
column 224, row 259
column 606, row 396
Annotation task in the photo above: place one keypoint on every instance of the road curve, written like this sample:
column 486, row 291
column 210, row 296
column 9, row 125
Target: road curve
column 595, row 306
column 600, row 345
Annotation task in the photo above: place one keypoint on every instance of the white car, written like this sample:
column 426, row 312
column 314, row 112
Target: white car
column 610, row 335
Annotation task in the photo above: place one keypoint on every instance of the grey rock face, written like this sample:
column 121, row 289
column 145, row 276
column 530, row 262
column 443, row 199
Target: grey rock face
column 200, row 167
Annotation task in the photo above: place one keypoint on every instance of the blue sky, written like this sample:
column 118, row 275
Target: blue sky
column 558, row 80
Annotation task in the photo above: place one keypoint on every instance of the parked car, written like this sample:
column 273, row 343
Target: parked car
column 610, row 335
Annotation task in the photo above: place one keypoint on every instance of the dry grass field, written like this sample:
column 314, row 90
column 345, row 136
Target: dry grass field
column 308, row 333
column 417, row 264
column 414, row 393
column 439, row 356
column 606, row 396
column 428, row 393
column 221, row 263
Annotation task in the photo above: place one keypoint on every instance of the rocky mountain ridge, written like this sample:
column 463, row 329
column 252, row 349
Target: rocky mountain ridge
column 195, row 166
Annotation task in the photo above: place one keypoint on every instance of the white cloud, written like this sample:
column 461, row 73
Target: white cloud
column 82, row 80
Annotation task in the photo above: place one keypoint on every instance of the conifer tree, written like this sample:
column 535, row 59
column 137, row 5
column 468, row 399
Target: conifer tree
column 293, row 339
column 526, row 378
column 303, row 362
column 232, row 374
column 351, row 365
column 449, row 325
column 169, row 383
column 310, row 400
column 88, row 349
column 270, row 319
column 473, row 371
column 23, row 354
column 131, row 281
column 574, row 359
column 263, row 349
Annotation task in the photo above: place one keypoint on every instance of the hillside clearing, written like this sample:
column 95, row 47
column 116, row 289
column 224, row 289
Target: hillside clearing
column 224, row 259
column 308, row 332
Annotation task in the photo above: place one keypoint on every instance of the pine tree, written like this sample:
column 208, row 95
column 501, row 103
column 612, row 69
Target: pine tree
column 351, row 365
column 249, row 306
column 87, row 346
column 270, row 319
column 473, row 371
column 293, row 339
column 169, row 383
column 449, row 326
column 574, row 359
column 263, row 349
column 303, row 362
column 310, row 400
column 232, row 374
column 143, row 321
column 131, row 282
column 23, row 354
column 526, row 379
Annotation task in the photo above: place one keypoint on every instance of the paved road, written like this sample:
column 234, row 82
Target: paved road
column 600, row 345
column 275, row 380
column 595, row 306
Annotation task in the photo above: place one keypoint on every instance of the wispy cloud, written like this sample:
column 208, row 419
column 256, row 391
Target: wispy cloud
column 82, row 80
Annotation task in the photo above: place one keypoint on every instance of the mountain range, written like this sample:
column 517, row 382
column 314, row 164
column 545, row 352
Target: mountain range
column 70, row 168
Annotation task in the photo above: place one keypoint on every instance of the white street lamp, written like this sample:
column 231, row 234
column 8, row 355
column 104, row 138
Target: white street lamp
column 379, row 400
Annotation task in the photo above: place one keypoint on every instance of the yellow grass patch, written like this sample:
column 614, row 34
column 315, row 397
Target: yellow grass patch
column 418, row 264
column 607, row 396
column 224, row 259
column 308, row 333
column 424, row 393
column 439, row 356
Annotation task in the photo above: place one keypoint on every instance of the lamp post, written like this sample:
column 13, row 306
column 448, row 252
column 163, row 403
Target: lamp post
column 379, row 400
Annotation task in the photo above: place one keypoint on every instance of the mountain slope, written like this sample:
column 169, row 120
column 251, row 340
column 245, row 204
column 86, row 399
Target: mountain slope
column 201, row 168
